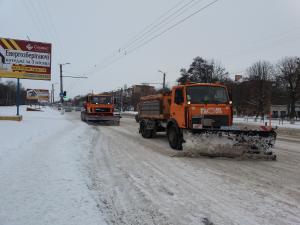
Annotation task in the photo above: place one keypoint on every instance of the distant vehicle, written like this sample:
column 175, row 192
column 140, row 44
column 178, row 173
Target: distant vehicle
column 68, row 109
column 99, row 107
column 78, row 108
column 117, row 112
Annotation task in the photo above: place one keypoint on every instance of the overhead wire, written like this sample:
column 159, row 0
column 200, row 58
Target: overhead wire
column 121, row 49
column 165, row 17
column 45, row 20
column 164, row 22
column 151, row 38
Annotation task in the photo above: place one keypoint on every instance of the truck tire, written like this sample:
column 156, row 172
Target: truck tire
column 136, row 117
column 174, row 137
column 146, row 133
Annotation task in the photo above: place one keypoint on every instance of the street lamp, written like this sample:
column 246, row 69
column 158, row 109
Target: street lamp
column 61, row 82
column 164, row 78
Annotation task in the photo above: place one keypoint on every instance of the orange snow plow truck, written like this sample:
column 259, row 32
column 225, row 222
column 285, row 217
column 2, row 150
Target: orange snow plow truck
column 201, row 115
column 98, row 108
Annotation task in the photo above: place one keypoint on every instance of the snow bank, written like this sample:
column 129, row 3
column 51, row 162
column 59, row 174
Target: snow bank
column 250, row 120
column 130, row 112
column 43, row 170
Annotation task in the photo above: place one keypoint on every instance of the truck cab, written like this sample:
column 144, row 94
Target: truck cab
column 197, row 106
column 99, row 107
column 99, row 104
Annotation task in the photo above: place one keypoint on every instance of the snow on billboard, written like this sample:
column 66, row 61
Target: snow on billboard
column 38, row 94
column 25, row 59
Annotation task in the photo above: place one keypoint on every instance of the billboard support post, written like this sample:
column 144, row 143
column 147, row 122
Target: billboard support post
column 18, row 97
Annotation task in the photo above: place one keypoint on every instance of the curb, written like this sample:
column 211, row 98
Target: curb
column 12, row 118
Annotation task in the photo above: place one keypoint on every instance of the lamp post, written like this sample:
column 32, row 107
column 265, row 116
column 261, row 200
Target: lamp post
column 164, row 78
column 61, row 82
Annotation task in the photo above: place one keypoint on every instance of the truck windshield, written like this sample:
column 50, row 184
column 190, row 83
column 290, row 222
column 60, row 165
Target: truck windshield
column 206, row 95
column 101, row 100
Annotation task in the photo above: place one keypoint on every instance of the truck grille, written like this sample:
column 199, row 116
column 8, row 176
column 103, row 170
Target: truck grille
column 102, row 109
column 217, row 120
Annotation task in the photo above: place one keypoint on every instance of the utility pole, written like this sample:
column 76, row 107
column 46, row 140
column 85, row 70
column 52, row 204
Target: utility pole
column 164, row 78
column 121, row 99
column 61, row 85
column 52, row 94
column 61, row 94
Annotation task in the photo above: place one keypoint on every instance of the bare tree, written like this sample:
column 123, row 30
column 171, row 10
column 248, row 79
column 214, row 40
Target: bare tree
column 261, row 75
column 289, row 75
column 184, row 76
column 219, row 72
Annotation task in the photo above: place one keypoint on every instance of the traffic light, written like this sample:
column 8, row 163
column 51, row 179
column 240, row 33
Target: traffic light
column 65, row 94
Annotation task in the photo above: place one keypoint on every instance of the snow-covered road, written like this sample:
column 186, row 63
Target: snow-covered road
column 55, row 169
column 142, row 181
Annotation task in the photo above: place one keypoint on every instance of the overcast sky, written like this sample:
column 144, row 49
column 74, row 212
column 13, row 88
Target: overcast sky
column 89, row 34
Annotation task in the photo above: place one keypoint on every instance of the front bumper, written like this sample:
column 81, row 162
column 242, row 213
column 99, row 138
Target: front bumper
column 102, row 118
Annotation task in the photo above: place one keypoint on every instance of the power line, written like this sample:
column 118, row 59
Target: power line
column 164, row 22
column 33, row 19
column 159, row 34
column 41, row 8
column 173, row 26
column 145, row 31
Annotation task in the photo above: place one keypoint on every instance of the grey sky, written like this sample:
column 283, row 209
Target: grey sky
column 234, row 32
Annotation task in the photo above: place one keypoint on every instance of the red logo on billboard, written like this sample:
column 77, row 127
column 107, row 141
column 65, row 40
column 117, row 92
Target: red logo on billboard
column 29, row 46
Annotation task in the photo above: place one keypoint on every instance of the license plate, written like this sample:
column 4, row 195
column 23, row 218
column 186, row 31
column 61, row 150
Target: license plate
column 197, row 126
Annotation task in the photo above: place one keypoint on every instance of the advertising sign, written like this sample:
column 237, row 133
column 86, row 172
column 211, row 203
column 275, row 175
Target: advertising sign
column 25, row 59
column 42, row 95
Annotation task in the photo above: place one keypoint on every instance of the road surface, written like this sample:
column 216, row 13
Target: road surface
column 143, row 181
column 55, row 169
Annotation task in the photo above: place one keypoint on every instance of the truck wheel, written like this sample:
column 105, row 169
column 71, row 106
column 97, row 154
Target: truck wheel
column 174, row 138
column 136, row 117
column 146, row 133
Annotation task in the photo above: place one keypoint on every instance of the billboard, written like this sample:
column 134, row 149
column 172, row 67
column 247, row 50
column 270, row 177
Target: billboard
column 42, row 95
column 25, row 59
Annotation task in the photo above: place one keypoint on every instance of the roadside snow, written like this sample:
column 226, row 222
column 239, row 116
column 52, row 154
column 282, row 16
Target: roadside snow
column 250, row 120
column 130, row 112
column 43, row 170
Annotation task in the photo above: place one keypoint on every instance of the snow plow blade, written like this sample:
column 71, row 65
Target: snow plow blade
column 232, row 142
column 102, row 118
column 99, row 118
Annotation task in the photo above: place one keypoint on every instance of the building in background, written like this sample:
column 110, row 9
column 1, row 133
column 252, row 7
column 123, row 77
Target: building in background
column 238, row 78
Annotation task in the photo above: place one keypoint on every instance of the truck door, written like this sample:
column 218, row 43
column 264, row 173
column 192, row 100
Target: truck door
column 178, row 106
